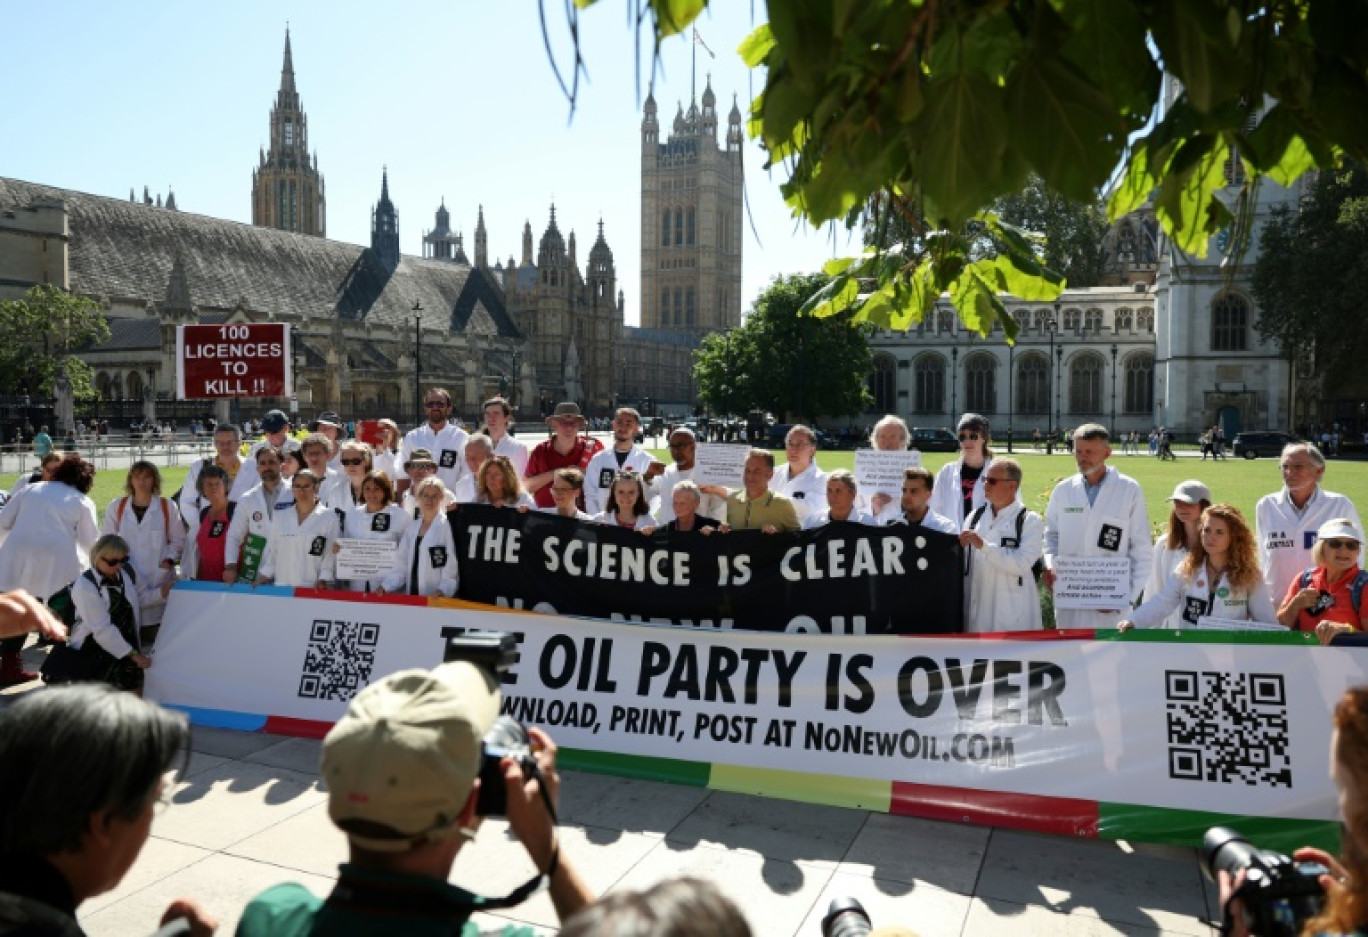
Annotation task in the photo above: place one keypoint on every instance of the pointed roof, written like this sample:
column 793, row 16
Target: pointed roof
column 479, row 225
column 287, row 77
column 178, row 287
column 384, row 204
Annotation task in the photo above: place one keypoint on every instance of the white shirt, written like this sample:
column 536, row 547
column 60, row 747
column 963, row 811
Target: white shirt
column 579, row 515
column 1285, row 535
column 823, row 517
column 662, row 506
column 388, row 523
column 438, row 569
column 160, row 535
column 947, row 495
column 610, row 519
column 410, row 503
column 52, row 527
column 447, row 446
column 91, row 603
column 190, row 501
column 807, row 489
column 1189, row 600
column 1162, row 571
column 515, row 451
column 253, row 516
column 300, row 554
column 599, row 473
column 1002, row 591
column 931, row 520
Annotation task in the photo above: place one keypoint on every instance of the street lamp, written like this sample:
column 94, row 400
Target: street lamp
column 1050, row 326
column 1059, row 373
column 954, row 381
column 513, row 390
column 1011, row 380
column 1113, row 419
column 418, row 360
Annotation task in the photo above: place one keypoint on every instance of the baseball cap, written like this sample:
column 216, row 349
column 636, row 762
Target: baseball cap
column 399, row 766
column 1190, row 492
column 419, row 455
column 274, row 421
column 1341, row 527
column 327, row 418
column 973, row 421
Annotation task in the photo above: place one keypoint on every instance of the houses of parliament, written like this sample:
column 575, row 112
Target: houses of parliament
column 369, row 322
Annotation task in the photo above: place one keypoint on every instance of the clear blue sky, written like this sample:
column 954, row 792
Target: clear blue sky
column 457, row 98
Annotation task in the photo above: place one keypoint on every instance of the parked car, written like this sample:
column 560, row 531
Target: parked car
column 934, row 440
column 1253, row 445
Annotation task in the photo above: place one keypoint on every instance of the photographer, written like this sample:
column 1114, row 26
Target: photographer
column 1345, row 884
column 402, row 769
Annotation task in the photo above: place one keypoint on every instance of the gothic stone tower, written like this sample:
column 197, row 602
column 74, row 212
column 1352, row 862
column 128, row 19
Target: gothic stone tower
column 691, row 221
column 287, row 188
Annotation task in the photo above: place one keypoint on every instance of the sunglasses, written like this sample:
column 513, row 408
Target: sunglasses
column 433, row 404
column 1342, row 544
column 114, row 561
column 353, row 461
column 964, row 437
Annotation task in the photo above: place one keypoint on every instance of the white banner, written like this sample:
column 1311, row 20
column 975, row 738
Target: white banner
column 1240, row 728
column 720, row 463
column 364, row 559
column 879, row 472
column 1092, row 582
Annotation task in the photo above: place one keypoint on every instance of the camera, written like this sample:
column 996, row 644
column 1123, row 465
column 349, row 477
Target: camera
column 494, row 652
column 1278, row 894
column 846, row 917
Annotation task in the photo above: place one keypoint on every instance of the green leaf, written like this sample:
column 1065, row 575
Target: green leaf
column 1296, row 159
column 974, row 294
column 1186, row 204
column 836, row 296
column 1195, row 45
column 1025, row 279
column 962, row 135
column 839, row 265
column 1108, row 45
column 755, row 48
column 1136, row 185
column 877, row 308
column 674, row 16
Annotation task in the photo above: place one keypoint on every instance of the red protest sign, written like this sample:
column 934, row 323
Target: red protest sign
column 248, row 359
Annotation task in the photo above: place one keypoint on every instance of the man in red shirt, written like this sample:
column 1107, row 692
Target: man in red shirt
column 566, row 449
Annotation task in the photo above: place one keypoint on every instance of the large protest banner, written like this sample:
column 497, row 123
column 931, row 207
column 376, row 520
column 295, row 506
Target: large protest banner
column 1150, row 736
column 246, row 359
column 837, row 579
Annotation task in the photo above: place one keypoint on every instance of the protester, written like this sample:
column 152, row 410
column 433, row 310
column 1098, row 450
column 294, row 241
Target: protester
column 755, row 506
column 625, row 455
column 402, row 769
column 841, row 495
column 498, row 484
column 275, row 426
column 685, row 502
column 376, row 518
column 1328, row 598
column 478, row 450
column 51, row 529
column 498, row 419
column 46, row 466
column 890, row 434
column 566, row 489
column 422, row 465
column 1218, row 578
column 329, row 426
column 1002, row 542
column 1098, row 513
column 316, row 452
column 440, row 436
column 683, row 447
column 627, row 500
column 1190, row 499
column 299, row 546
column 155, row 533
column 800, row 480
column 918, row 488
column 206, row 550
column 958, row 489
column 387, row 457
column 107, row 598
column 227, row 441
column 291, row 461
column 343, row 491
column 425, row 562
column 1287, row 521
column 677, row 907
column 565, row 449
column 253, row 516
column 82, row 771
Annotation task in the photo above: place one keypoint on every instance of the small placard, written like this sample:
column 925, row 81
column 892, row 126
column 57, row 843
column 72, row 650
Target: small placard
column 881, row 473
column 720, row 464
column 364, row 559
column 1087, row 582
column 1207, row 623
column 252, row 549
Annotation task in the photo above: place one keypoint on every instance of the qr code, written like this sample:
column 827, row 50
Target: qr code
column 339, row 659
column 1228, row 727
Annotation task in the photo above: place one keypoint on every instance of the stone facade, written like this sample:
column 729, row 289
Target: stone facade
column 287, row 188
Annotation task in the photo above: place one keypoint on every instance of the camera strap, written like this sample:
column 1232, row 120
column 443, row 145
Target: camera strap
column 533, row 885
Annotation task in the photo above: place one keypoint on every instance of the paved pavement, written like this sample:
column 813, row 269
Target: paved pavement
column 250, row 813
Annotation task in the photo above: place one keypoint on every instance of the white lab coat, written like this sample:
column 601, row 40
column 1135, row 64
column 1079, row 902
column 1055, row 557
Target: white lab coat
column 662, row 506
column 1162, row 571
column 52, row 527
column 823, row 517
column 930, row 520
column 446, row 446
column 1285, row 536
column 300, row 554
column 1002, row 592
column 337, row 493
column 516, row 452
column 388, row 523
column 253, row 516
column 609, row 518
column 437, row 564
column 947, row 499
column 92, row 613
column 807, row 489
column 190, row 502
column 1075, row 529
column 391, row 463
column 160, row 535
column 1188, row 600
column 599, row 473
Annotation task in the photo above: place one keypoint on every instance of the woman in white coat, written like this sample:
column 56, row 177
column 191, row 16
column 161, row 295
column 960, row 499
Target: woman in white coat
column 1189, row 499
column 51, row 527
column 299, row 548
column 376, row 518
column 1002, row 542
column 959, row 484
column 425, row 563
column 1219, row 578
column 107, row 598
column 151, row 526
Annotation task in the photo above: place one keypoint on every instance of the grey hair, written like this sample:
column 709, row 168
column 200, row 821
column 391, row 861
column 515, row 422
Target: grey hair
column 1011, row 467
column 109, row 545
column 481, row 440
column 1092, row 431
column 432, row 481
column 691, row 487
column 84, row 749
column 1312, row 453
column 845, row 477
column 887, row 421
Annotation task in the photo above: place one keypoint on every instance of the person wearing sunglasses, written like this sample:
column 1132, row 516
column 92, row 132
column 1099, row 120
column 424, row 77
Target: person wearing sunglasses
column 959, row 484
column 343, row 492
column 299, row 548
column 442, row 437
column 1002, row 542
column 108, row 599
column 1328, row 597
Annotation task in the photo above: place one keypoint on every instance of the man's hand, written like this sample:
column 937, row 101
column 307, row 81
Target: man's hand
column 879, row 502
column 1231, row 906
column 970, row 538
column 230, row 574
column 655, row 470
column 527, row 814
column 21, row 613
column 1049, row 579
column 201, row 924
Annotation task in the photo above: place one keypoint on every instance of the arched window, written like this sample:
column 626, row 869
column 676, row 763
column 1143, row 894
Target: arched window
column 116, row 388
column 980, row 386
column 1140, row 383
column 1229, row 323
column 1085, row 384
column 134, row 385
column 679, row 305
column 665, row 229
column 1125, row 320
column 691, row 228
column 665, row 307
column 1092, row 320
column 882, row 384
column 929, row 373
column 689, row 307
column 679, row 226
column 102, row 385
column 1146, row 320
column 1040, row 320
column 945, row 321
column 1072, row 318
column 1033, row 385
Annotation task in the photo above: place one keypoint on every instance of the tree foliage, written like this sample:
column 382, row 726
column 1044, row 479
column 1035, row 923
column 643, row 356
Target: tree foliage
column 38, row 334
column 784, row 363
column 942, row 106
column 1312, row 272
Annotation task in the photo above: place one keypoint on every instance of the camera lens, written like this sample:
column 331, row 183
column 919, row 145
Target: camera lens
column 1224, row 850
column 846, row 917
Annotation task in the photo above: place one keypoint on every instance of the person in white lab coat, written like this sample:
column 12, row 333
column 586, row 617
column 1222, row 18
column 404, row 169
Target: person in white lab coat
column 299, row 547
column 1098, row 513
column 999, row 552
column 801, row 481
column 107, row 598
column 624, row 455
column 425, row 563
column 1190, row 499
column 253, row 515
column 376, row 518
column 441, row 437
column 241, row 475
column 479, row 449
column 1219, row 577
column 959, row 484
column 683, row 448
column 343, row 492
column 841, row 494
column 151, row 525
column 890, row 434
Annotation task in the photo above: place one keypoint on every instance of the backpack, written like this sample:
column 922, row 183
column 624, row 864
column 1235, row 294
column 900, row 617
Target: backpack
column 166, row 516
column 1355, row 589
column 1038, row 567
column 64, row 606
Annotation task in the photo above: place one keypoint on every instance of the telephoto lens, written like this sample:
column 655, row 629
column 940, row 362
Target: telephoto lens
column 846, row 918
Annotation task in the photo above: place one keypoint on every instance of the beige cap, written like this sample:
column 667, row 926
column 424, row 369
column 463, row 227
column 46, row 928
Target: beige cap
column 1191, row 492
column 400, row 764
column 1340, row 527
